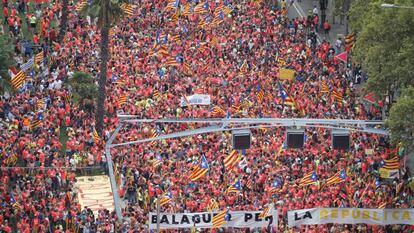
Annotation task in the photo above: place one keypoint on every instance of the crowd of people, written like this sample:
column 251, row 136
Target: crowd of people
column 234, row 52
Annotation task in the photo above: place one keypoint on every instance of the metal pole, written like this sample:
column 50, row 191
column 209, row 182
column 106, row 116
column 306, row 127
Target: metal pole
column 158, row 214
column 109, row 161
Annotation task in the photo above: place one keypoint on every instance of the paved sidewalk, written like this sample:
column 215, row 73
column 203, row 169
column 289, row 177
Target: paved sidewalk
column 305, row 7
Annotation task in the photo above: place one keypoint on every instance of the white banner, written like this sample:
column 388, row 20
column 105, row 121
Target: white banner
column 350, row 216
column 196, row 99
column 238, row 219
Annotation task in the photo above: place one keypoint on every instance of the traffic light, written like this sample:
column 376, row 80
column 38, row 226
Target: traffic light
column 349, row 42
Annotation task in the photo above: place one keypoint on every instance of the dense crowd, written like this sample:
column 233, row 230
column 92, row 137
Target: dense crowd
column 157, row 57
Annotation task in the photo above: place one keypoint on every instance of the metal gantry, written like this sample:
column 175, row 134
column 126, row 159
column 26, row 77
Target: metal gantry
column 215, row 125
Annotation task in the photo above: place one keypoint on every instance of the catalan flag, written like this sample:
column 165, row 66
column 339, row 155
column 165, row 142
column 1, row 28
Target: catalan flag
column 337, row 95
column 39, row 57
column 127, row 8
column 171, row 62
column 122, row 99
column 309, row 178
column 227, row 10
column 14, row 203
column 175, row 38
column 243, row 69
column 35, row 124
column 166, row 197
column 282, row 92
column 200, row 169
column 337, row 178
column 80, row 6
column 157, row 161
column 217, row 112
column 175, row 17
column 172, row 4
column 201, row 8
column 96, row 137
column 231, row 160
column 156, row 94
column 275, row 187
column 391, row 164
column 187, row 69
column 212, row 205
column 266, row 211
column 218, row 19
column 236, row 107
column 154, row 134
column 18, row 80
column 221, row 218
column 382, row 205
column 11, row 160
column 235, row 188
column 187, row 10
column 325, row 88
column 260, row 94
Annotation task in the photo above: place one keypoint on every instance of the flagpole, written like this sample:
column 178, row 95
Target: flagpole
column 362, row 195
column 158, row 214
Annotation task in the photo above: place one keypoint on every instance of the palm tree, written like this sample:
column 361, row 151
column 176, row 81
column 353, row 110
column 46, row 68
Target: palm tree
column 63, row 20
column 107, row 12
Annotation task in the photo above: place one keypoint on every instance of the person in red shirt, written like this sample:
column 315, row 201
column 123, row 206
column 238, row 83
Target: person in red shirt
column 5, row 14
column 326, row 27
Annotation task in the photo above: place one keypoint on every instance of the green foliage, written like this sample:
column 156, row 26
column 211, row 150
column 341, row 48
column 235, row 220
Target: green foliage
column 83, row 87
column 109, row 10
column 6, row 61
column 400, row 121
column 384, row 45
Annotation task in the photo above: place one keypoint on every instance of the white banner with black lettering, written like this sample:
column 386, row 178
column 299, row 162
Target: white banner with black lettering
column 196, row 99
column 350, row 216
column 238, row 219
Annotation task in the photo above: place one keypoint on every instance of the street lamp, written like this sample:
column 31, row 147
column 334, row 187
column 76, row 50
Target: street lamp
column 387, row 5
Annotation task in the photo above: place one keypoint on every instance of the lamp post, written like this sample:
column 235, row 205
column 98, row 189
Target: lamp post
column 386, row 5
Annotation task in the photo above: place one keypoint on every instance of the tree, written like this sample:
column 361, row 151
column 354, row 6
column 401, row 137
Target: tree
column 63, row 20
column 84, row 88
column 384, row 45
column 6, row 61
column 385, row 48
column 107, row 12
column 400, row 120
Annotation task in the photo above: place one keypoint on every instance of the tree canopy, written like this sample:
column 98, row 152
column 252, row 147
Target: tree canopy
column 400, row 121
column 6, row 61
column 385, row 48
column 384, row 45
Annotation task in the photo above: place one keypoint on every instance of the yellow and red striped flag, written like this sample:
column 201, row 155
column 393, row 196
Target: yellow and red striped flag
column 391, row 164
column 39, row 57
column 221, row 218
column 18, row 80
column 127, row 8
column 217, row 112
column 122, row 99
column 266, row 211
column 325, row 88
column 231, row 160
column 96, row 137
column 200, row 169
column 80, row 5
column 212, row 205
column 337, row 95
